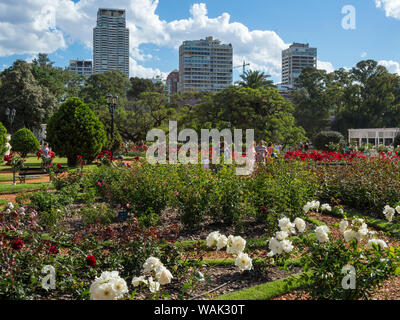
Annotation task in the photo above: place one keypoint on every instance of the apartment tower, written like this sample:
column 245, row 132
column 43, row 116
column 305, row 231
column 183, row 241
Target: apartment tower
column 205, row 65
column 111, row 42
column 294, row 59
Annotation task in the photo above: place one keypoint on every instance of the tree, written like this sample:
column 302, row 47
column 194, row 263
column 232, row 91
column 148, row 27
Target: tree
column 24, row 142
column 313, row 104
column 75, row 130
column 98, row 86
column 20, row 90
column 255, row 80
column 140, row 85
column 152, row 110
column 3, row 140
column 264, row 110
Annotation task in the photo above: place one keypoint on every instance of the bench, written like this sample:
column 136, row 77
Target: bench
column 31, row 173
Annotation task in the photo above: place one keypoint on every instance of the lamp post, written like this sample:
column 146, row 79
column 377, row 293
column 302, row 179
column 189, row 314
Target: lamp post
column 10, row 113
column 112, row 102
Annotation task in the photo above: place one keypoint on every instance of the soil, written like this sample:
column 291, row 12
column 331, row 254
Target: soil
column 221, row 280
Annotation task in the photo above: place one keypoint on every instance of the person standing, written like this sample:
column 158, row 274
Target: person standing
column 261, row 152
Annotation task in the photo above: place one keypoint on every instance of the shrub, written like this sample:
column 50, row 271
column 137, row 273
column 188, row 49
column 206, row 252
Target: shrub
column 24, row 142
column 75, row 130
column 328, row 140
column 3, row 140
column 281, row 188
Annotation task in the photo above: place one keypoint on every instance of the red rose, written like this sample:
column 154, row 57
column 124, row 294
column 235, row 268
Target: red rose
column 137, row 158
column 17, row 244
column 53, row 249
column 91, row 261
column 264, row 209
column 59, row 166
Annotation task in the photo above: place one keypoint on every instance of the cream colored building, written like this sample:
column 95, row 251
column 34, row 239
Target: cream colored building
column 384, row 136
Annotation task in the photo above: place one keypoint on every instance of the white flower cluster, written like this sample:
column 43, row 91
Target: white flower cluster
column 380, row 243
column 280, row 244
column 326, row 208
column 153, row 267
column 234, row 245
column 389, row 212
column 313, row 205
column 322, row 233
column 358, row 229
column 109, row 286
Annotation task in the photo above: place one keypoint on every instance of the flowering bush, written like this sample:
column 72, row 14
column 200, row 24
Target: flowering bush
column 334, row 262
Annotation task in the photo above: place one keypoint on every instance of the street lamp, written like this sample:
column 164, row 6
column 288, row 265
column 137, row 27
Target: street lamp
column 10, row 113
column 112, row 102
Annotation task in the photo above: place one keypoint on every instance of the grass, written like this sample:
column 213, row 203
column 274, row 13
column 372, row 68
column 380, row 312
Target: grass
column 9, row 188
column 267, row 290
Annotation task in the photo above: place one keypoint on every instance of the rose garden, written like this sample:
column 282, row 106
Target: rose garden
column 93, row 219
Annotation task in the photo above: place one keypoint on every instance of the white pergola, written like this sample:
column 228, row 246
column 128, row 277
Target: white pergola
column 375, row 137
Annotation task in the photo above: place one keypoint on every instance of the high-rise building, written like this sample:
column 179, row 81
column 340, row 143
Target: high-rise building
column 111, row 42
column 294, row 59
column 205, row 65
column 173, row 81
column 81, row 67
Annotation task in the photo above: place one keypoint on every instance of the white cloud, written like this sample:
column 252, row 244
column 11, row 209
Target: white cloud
column 325, row 65
column 364, row 54
column 392, row 66
column 391, row 7
column 75, row 22
column 137, row 70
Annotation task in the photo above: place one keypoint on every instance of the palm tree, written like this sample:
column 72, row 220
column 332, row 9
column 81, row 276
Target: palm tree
column 255, row 80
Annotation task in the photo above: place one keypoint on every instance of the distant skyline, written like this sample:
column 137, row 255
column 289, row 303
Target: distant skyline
column 258, row 30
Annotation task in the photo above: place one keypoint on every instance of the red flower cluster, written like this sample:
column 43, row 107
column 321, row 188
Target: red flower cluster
column 53, row 250
column 81, row 160
column 323, row 156
column 91, row 261
column 105, row 153
column 8, row 159
column 17, row 244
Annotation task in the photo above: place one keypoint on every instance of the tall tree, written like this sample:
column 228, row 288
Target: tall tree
column 20, row 90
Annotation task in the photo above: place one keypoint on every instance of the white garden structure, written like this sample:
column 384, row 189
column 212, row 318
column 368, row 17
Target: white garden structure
column 373, row 136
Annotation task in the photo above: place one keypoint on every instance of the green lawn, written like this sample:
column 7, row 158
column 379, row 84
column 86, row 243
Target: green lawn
column 6, row 188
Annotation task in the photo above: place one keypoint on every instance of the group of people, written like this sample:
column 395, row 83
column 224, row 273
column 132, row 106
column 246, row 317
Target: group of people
column 263, row 153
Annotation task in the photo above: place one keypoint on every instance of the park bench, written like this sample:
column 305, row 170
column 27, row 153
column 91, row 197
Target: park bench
column 31, row 173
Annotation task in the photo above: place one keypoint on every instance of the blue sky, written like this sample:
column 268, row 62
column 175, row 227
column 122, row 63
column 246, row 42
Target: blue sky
column 258, row 30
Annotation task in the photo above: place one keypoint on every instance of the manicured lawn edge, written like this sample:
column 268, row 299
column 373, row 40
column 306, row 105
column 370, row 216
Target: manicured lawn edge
column 267, row 290
column 11, row 189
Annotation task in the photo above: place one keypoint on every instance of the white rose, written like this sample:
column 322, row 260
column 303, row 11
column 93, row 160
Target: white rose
column 326, row 207
column 398, row 209
column 287, row 246
column 244, row 262
column 237, row 246
column 10, row 205
column 344, row 224
column 136, row 281
column 349, row 234
column 281, row 235
column 212, row 239
column 164, row 276
column 275, row 246
column 300, row 225
column 222, row 242
column 154, row 286
column 151, row 264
